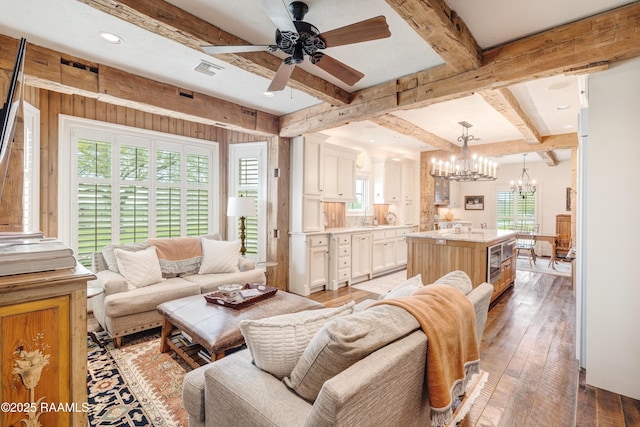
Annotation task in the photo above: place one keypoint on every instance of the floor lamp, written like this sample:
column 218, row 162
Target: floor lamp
column 241, row 207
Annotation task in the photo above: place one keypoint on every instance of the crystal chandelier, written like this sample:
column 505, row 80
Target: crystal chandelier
column 525, row 185
column 465, row 167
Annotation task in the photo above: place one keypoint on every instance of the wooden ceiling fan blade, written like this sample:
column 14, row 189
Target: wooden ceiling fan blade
column 369, row 29
column 213, row 50
column 340, row 70
column 281, row 78
column 277, row 12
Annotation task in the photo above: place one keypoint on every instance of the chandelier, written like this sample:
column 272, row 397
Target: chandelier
column 525, row 185
column 465, row 167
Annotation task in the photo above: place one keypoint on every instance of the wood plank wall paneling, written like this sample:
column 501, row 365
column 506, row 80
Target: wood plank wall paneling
column 51, row 104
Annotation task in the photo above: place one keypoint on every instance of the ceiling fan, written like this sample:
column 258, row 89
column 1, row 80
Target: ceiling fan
column 298, row 38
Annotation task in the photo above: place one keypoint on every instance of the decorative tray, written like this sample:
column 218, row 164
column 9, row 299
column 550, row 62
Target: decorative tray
column 261, row 292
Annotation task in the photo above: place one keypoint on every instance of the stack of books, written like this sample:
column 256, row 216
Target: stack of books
column 32, row 252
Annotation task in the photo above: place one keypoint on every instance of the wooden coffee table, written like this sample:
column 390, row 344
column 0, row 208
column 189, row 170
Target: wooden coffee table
column 192, row 324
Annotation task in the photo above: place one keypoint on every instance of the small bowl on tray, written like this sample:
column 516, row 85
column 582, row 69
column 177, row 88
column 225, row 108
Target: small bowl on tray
column 231, row 292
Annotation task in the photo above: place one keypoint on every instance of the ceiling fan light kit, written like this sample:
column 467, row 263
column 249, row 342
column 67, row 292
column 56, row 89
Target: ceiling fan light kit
column 465, row 167
column 298, row 39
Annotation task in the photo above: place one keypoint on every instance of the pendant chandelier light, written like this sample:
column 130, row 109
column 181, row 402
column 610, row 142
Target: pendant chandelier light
column 465, row 167
column 524, row 186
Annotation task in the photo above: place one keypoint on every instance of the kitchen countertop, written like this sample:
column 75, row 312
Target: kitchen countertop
column 481, row 236
column 342, row 230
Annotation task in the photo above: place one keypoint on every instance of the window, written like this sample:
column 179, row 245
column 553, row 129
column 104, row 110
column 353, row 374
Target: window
column 514, row 212
column 129, row 185
column 361, row 196
column 247, row 170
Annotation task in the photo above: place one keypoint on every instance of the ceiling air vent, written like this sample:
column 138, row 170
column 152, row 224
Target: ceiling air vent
column 207, row 68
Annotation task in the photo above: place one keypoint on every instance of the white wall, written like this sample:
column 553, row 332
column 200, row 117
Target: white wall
column 552, row 185
column 612, row 230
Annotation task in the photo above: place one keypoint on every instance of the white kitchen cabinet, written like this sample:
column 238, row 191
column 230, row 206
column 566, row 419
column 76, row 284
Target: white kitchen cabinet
column 306, row 184
column 389, row 250
column 408, row 179
column 360, row 257
column 338, row 173
column 383, row 251
column 309, row 263
column 339, row 260
column 387, row 181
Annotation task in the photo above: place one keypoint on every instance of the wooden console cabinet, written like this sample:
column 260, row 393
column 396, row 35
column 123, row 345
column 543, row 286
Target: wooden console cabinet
column 43, row 336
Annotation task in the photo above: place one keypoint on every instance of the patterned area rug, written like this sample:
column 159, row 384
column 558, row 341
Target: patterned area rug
column 134, row 385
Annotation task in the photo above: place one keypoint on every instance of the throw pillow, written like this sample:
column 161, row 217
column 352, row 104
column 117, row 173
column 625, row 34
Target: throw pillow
column 178, row 255
column 458, row 279
column 140, row 268
column 404, row 289
column 343, row 341
column 276, row 343
column 110, row 257
column 219, row 256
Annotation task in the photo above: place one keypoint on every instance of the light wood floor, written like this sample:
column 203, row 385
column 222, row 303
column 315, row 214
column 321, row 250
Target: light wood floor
column 528, row 348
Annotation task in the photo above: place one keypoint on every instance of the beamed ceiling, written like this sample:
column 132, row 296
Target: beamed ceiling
column 517, row 71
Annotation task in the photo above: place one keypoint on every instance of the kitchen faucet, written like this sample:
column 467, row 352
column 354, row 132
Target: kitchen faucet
column 365, row 220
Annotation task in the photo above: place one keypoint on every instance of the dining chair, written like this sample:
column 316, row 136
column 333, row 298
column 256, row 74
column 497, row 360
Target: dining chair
column 525, row 242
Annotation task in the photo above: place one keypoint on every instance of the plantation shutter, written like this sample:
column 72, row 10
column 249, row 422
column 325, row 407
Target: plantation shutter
column 197, row 194
column 168, row 193
column 248, row 180
column 94, row 198
column 134, row 193
column 515, row 212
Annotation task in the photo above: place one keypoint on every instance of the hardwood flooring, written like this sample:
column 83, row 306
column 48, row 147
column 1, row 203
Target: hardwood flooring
column 528, row 348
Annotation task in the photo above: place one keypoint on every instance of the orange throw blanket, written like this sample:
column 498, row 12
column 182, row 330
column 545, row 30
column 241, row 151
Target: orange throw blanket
column 448, row 320
column 177, row 248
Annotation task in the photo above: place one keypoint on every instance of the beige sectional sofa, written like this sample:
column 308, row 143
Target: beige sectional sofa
column 137, row 277
column 386, row 387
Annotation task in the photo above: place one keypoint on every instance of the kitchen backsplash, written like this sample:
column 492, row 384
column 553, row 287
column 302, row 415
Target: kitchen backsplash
column 336, row 215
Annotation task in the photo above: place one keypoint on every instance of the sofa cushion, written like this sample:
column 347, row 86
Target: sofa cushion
column 178, row 255
column 110, row 257
column 219, row 256
column 149, row 297
column 404, row 289
column 140, row 268
column 343, row 341
column 276, row 343
column 458, row 279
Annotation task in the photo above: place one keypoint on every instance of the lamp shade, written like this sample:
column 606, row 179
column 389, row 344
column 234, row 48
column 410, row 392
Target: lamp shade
column 241, row 206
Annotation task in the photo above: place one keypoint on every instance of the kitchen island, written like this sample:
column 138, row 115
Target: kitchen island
column 485, row 255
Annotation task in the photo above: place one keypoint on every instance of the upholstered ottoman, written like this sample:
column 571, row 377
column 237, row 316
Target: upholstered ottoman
column 217, row 328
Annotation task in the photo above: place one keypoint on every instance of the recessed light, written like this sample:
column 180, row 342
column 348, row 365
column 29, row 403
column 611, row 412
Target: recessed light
column 559, row 85
column 372, row 140
column 269, row 94
column 563, row 107
column 110, row 37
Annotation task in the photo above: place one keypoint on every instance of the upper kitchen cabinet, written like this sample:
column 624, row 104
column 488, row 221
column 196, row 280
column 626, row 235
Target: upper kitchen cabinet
column 306, row 184
column 338, row 173
column 387, row 181
column 441, row 191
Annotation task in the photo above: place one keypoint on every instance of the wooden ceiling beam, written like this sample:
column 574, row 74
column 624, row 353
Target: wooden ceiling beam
column 551, row 142
column 406, row 128
column 168, row 21
column 443, row 29
column 549, row 157
column 605, row 38
column 51, row 70
column 503, row 101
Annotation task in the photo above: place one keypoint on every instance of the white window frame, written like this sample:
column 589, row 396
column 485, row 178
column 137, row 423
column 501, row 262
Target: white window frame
column 74, row 128
column 366, row 197
column 236, row 152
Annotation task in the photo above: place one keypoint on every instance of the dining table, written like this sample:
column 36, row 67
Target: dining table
column 552, row 239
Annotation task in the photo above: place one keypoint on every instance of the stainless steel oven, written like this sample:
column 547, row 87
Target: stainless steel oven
column 494, row 263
